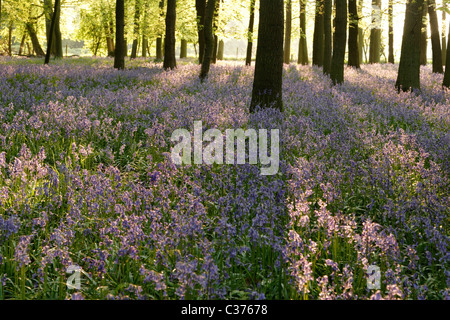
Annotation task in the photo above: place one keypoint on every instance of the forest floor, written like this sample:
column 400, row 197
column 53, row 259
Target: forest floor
column 87, row 180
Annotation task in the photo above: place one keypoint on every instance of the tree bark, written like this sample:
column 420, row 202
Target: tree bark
column 423, row 36
column 22, row 43
column 339, row 41
column 408, row 77
column 200, row 6
column 10, row 30
column 52, row 30
column 56, row 48
column 302, row 46
column 287, row 33
column 360, row 34
column 268, row 78
column 137, row 15
column 318, row 37
column 353, row 54
column 159, row 49
column 251, row 22
column 215, row 37
column 327, row 36
column 144, row 46
column 34, row 39
column 209, row 39
column 446, row 81
column 391, row 31
column 48, row 12
column 183, row 49
column 169, row 40
column 220, row 50
column 435, row 41
column 119, row 54
column 375, row 33
column 444, row 43
column 109, row 30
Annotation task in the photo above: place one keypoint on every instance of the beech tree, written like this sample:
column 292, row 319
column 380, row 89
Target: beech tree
column 248, row 57
column 391, row 31
column 327, row 37
column 49, row 13
column 268, row 78
column 119, row 54
column 435, row 37
column 302, row 46
column 169, row 39
column 339, row 41
column 137, row 14
column 408, row 77
column 443, row 34
column 446, row 81
column 52, row 30
column 209, row 39
column 353, row 54
column 375, row 33
column 287, row 33
column 200, row 6
column 159, row 53
column 423, row 35
column 318, row 37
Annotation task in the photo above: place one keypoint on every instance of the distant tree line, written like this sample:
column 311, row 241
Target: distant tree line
column 107, row 25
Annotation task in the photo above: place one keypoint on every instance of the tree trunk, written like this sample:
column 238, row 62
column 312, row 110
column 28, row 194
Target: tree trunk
column 144, row 30
column 302, row 46
column 360, row 34
column 318, row 37
column 339, row 41
column 58, row 36
column 268, row 78
column 169, row 40
column 408, row 77
column 200, row 6
column 287, row 33
column 144, row 46
column 444, row 43
column 214, row 52
column 183, row 49
column 248, row 57
column 159, row 47
column 375, row 33
column 220, row 50
column 328, row 46
column 22, row 43
column 119, row 54
column 423, row 36
column 34, row 40
column 353, row 54
column 56, row 48
column 209, row 39
column 52, row 31
column 137, row 15
column 109, row 30
column 48, row 12
column 110, row 46
column 446, row 81
column 215, row 26
column 435, row 41
column 391, row 31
